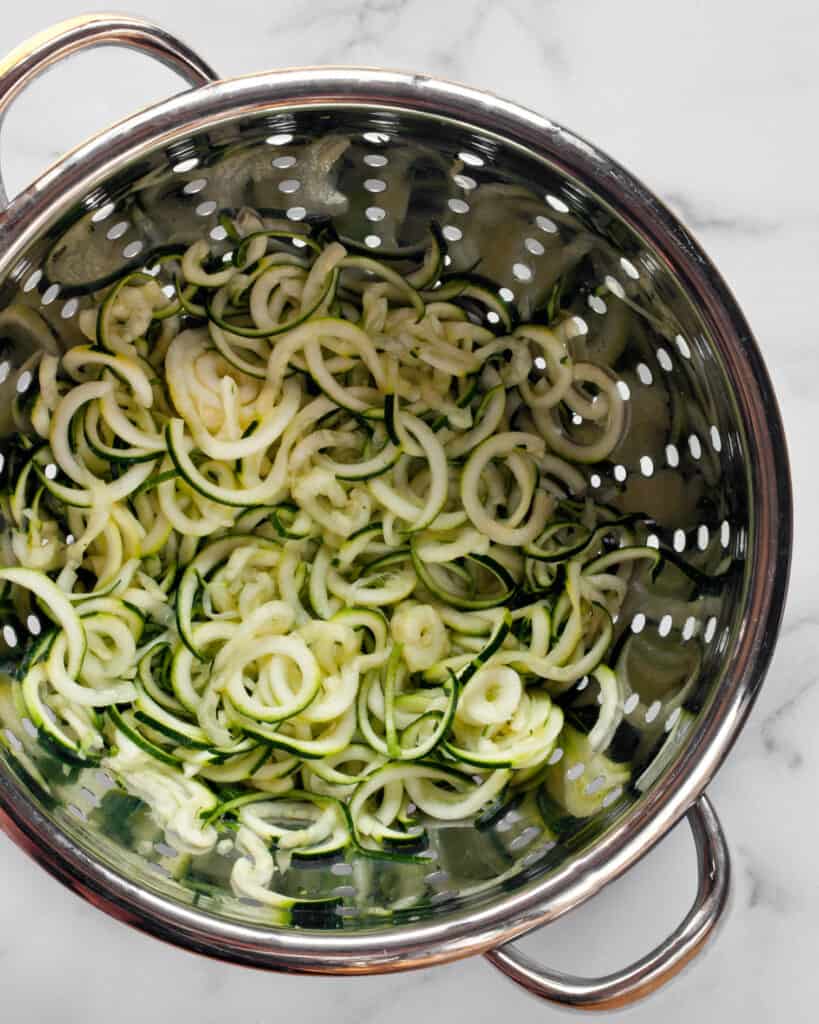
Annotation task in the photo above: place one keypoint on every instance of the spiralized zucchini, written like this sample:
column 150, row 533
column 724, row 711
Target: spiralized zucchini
column 310, row 551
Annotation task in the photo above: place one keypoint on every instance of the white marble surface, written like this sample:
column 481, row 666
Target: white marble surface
column 712, row 104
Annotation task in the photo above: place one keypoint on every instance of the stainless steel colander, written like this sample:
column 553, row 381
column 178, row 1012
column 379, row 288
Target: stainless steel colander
column 526, row 203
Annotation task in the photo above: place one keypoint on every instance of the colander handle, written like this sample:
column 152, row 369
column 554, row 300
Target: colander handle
column 662, row 963
column 47, row 48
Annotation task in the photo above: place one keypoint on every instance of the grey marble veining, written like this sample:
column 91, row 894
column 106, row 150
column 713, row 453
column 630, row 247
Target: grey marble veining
column 714, row 106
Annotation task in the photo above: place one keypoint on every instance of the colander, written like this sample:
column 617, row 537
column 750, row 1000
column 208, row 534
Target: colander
column 525, row 203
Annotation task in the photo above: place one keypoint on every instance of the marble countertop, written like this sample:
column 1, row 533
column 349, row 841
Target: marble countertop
column 713, row 105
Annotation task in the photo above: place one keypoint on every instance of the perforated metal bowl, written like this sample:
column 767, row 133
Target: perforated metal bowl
column 520, row 199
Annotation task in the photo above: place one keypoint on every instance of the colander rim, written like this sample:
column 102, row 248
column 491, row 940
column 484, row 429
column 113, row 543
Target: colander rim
column 462, row 932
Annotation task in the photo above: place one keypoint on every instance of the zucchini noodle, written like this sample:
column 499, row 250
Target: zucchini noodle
column 311, row 550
